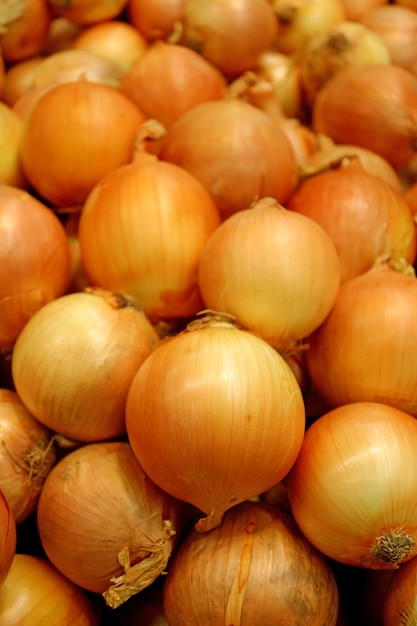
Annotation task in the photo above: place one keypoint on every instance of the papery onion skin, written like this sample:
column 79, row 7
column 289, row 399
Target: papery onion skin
column 95, row 336
column 8, row 537
column 215, row 416
column 281, row 290
column 229, row 34
column 156, row 19
column 364, row 350
column 35, row 590
column 245, row 571
column 97, row 508
column 64, row 155
column 352, row 489
column 18, row 79
column 253, row 159
column 169, row 79
column 132, row 232
column 32, row 273
column 364, row 216
column 26, row 455
column 381, row 118
column 399, row 601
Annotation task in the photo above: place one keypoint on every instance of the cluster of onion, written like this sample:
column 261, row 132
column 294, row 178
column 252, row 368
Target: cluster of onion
column 214, row 252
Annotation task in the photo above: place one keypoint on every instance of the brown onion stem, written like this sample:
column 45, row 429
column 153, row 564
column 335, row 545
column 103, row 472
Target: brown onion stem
column 393, row 547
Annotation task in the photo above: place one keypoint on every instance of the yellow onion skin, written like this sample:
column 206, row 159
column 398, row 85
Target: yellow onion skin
column 252, row 159
column 64, row 155
column 364, row 350
column 11, row 172
column 245, row 572
column 142, row 231
column 399, row 600
column 215, row 416
column 8, row 537
column 73, row 363
column 353, row 487
column 364, row 216
column 26, row 455
column 104, row 524
column 35, row 592
column 283, row 289
column 84, row 12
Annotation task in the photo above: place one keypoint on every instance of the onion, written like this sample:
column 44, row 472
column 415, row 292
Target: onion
column 26, row 455
column 347, row 44
column 156, row 19
column 364, row 350
column 399, row 603
column 353, row 487
column 116, row 40
column 95, row 336
column 7, row 537
column 410, row 195
column 24, row 26
column 169, row 79
column 356, row 9
column 254, row 158
column 231, row 34
column 61, row 34
column 300, row 20
column 329, row 154
column 132, row 232
column 380, row 118
column 397, row 27
column 84, row 12
column 34, row 591
column 215, row 416
column 77, row 132
column 38, row 271
column 283, row 289
column 11, row 130
column 364, row 216
column 233, row 576
column 18, row 79
column 104, row 524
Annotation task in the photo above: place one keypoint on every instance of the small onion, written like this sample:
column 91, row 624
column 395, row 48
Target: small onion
column 156, row 19
column 133, row 230
column 26, row 455
column 246, row 572
column 373, row 106
column 397, row 27
column 8, row 537
column 353, row 487
column 229, row 34
column 76, row 133
column 35, row 592
column 399, row 601
column 300, row 20
column 235, row 150
column 104, row 524
column 95, row 336
column 18, row 79
column 365, row 349
column 84, row 12
column 61, row 34
column 347, row 44
column 364, row 216
column 215, row 416
column 24, row 26
column 116, row 40
column 34, row 260
column 283, row 289
column 11, row 130
column 168, row 79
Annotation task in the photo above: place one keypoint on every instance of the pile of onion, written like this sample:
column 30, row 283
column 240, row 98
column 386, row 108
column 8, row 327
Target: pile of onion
column 353, row 487
column 104, row 524
column 215, row 416
column 95, row 336
column 231, row 575
column 27, row 454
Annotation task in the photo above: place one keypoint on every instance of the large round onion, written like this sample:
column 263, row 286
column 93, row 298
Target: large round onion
column 353, row 487
column 275, row 270
column 235, row 150
column 215, row 416
column 246, row 572
column 104, row 524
